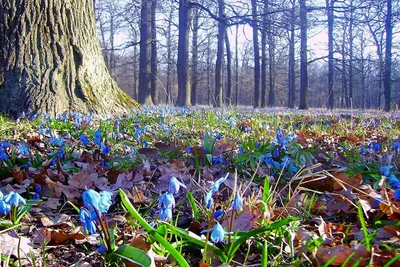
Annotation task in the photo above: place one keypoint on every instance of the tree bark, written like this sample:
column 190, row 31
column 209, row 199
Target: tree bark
column 388, row 55
column 330, row 12
column 237, row 66
column 195, row 50
column 168, row 97
column 154, row 58
column 220, row 55
column 303, row 55
column 145, row 54
column 183, row 54
column 264, row 58
column 51, row 61
column 351, row 54
column 271, row 66
column 291, row 72
column 257, row 99
column 228, row 96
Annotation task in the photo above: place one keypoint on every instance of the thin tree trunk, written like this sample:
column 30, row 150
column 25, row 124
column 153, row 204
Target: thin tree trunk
column 388, row 55
column 264, row 57
column 154, row 89
column 228, row 96
column 291, row 74
column 271, row 66
column 303, row 55
column 237, row 66
column 169, row 56
column 330, row 6
column 50, row 60
column 257, row 99
column 220, row 55
column 351, row 57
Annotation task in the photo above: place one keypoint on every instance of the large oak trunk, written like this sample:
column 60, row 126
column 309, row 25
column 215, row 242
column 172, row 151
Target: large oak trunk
column 51, row 61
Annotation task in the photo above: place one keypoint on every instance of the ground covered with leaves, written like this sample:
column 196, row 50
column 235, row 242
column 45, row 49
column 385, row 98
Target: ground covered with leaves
column 180, row 187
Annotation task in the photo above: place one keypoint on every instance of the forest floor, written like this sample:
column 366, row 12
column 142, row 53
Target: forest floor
column 201, row 187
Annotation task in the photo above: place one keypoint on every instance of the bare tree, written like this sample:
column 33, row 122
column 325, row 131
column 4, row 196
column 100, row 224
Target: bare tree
column 254, row 24
column 388, row 55
column 303, row 55
column 145, row 54
column 220, row 55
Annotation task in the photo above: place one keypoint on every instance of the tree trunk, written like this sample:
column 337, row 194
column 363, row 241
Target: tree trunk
column 344, row 99
column 388, row 55
column 237, row 66
column 153, row 77
column 220, row 55
column 228, row 96
column 257, row 99
column 50, row 59
column 145, row 54
column 183, row 54
column 291, row 73
column 330, row 6
column 168, row 99
column 264, row 58
column 271, row 66
column 195, row 50
column 303, row 55
column 351, row 55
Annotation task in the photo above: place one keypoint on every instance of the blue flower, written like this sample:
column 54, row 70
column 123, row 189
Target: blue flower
column 396, row 146
column 218, row 213
column 377, row 146
column 217, row 160
column 241, row 150
column 14, row 199
column 56, row 141
column 36, row 196
column 293, row 169
column 5, row 208
column 363, row 150
column 208, row 200
column 188, row 149
column 166, row 200
column 256, row 144
column 23, row 150
column 218, row 234
column 97, row 137
column 105, row 149
column 378, row 201
column 174, row 185
column 87, row 221
column 165, row 214
column 215, row 186
column 84, row 139
column 101, row 249
column 276, row 154
column 396, row 195
column 344, row 148
column 237, row 203
column 393, row 181
column 93, row 200
column 385, row 170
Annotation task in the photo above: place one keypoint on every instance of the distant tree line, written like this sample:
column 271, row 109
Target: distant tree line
column 195, row 52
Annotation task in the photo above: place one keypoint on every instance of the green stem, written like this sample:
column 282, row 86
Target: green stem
column 128, row 205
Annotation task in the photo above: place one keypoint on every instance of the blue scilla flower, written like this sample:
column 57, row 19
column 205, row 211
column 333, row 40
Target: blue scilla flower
column 99, row 201
column 5, row 208
column 23, row 150
column 165, row 214
column 105, row 149
column 14, row 199
column 363, row 150
column 36, row 196
column 237, row 203
column 97, row 137
column 378, row 201
column 217, row 233
column 396, row 195
column 188, row 149
column 241, row 150
column 377, row 146
column 3, row 154
column 218, row 213
column 293, row 169
column 217, row 160
column 101, row 249
column 88, row 223
column 166, row 200
column 385, row 170
column 396, row 146
column 393, row 181
column 56, row 141
column 276, row 153
column 215, row 186
column 175, row 185
column 370, row 148
column 344, row 147
column 84, row 139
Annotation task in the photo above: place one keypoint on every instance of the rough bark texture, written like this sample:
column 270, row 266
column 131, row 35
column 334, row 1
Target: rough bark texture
column 195, row 49
column 264, row 58
column 154, row 57
column 145, row 54
column 303, row 55
column 388, row 55
column 351, row 55
column 257, row 99
column 330, row 6
column 51, row 61
column 228, row 97
column 237, row 66
column 220, row 55
column 291, row 72
column 183, row 54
